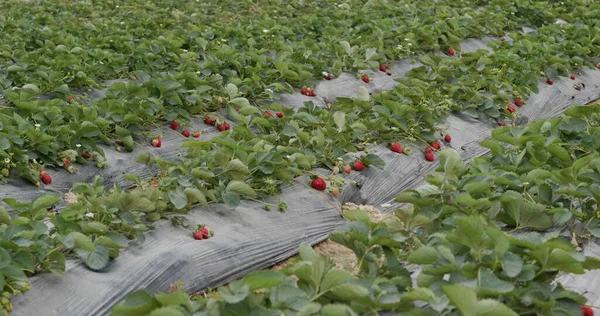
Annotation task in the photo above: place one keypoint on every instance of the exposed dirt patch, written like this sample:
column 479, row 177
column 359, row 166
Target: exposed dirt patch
column 343, row 257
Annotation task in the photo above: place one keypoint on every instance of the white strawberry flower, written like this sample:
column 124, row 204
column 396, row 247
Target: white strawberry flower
column 6, row 160
column 38, row 125
column 265, row 31
column 89, row 214
column 269, row 90
column 78, row 145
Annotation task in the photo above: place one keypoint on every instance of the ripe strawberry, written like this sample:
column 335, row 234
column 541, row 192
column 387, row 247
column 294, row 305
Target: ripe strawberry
column 205, row 232
column 327, row 76
column 359, row 166
column 511, row 109
column 70, row 98
column 85, row 154
column 519, row 102
column 347, row 169
column 319, row 184
column 121, row 143
column 501, row 124
column 65, row 162
column 156, row 142
column 447, row 138
column 279, row 114
column 268, row 114
column 186, row 133
column 383, row 68
column 46, row 178
column 198, row 235
column 174, row 125
column 429, row 157
column 365, row 78
column 450, row 51
column 436, row 145
column 224, row 127
column 549, row 81
column 397, row 148
column 196, row 134
column 209, row 121
column 572, row 77
column 428, row 150
column 586, row 311
column 598, row 65
column 313, row 93
column 304, row 91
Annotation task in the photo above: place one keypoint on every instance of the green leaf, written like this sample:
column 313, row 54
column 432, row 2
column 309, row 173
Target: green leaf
column 167, row 311
column 136, row 303
column 424, row 255
column 363, row 94
column 4, row 216
column 350, row 291
column 232, row 90
column 240, row 102
column 512, row 264
column 490, row 284
column 78, row 240
column 340, row 120
column 5, row 258
column 44, row 201
column 97, row 259
column 241, row 188
column 558, row 152
column 194, row 195
column 333, row 278
column 263, row 279
column 178, row 198
column 237, row 169
column 233, row 297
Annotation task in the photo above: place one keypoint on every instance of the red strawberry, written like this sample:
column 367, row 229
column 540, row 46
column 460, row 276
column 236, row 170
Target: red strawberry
column 365, row 78
column 268, row 114
column 598, row 65
column 319, row 184
column 121, row 143
column 347, row 169
column 227, row 127
column 304, row 91
column 429, row 157
column 279, row 114
column 397, row 148
column 296, row 176
column 65, row 162
column 358, row 166
column 572, row 77
column 501, row 124
column 205, row 233
column 447, row 138
column 519, row 102
column 174, row 125
column 196, row 134
column 186, row 133
column 209, row 121
column 435, row 145
column 222, row 127
column 586, row 311
column 313, row 93
column 70, row 98
column 383, row 68
column 511, row 109
column 450, row 51
column 46, row 178
column 327, row 76
column 428, row 150
column 549, row 81
column 198, row 235
column 157, row 142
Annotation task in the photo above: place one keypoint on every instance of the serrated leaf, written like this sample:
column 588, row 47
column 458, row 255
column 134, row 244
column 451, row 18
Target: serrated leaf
column 241, row 188
column 263, row 279
column 339, row 118
column 97, row 259
column 194, row 195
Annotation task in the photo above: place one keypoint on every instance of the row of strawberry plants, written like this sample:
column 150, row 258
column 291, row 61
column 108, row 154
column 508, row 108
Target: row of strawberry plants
column 538, row 175
column 193, row 75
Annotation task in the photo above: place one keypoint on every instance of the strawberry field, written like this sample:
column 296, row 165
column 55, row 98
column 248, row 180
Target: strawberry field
column 145, row 142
